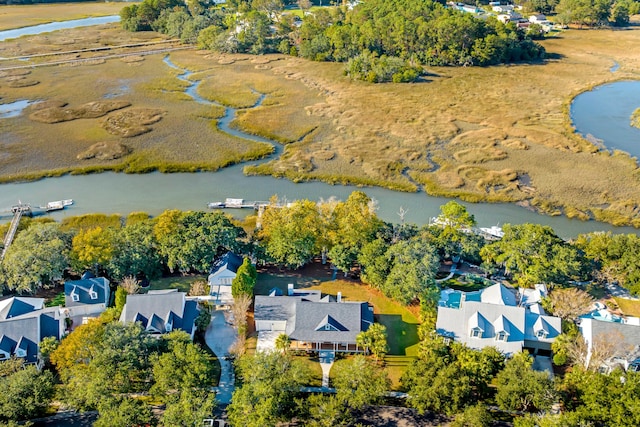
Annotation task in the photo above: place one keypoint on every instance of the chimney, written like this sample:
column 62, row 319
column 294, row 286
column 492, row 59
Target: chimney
column 290, row 289
column 339, row 297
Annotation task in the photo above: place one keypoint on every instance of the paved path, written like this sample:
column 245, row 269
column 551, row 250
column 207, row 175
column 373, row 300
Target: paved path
column 219, row 337
column 326, row 368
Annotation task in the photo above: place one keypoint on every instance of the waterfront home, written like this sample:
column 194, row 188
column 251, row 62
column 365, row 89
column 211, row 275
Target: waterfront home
column 492, row 318
column 222, row 273
column 24, row 323
column 312, row 322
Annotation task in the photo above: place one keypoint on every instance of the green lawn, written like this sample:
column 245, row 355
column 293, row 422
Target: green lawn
column 56, row 301
column 629, row 307
column 401, row 323
column 182, row 283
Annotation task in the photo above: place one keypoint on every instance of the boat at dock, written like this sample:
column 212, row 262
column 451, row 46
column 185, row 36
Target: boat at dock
column 57, row 205
column 231, row 203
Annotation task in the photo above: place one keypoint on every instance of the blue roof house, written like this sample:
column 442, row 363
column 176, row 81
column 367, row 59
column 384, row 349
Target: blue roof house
column 160, row 312
column 223, row 271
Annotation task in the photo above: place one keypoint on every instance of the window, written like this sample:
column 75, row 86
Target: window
column 93, row 295
column 327, row 327
column 541, row 333
column 75, row 297
column 3, row 355
column 21, row 353
column 501, row 336
column 446, row 340
column 168, row 327
column 476, row 333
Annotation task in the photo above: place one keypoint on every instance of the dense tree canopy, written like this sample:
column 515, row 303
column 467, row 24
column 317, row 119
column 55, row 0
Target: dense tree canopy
column 449, row 378
column 382, row 40
column 26, row 393
column 532, row 253
column 37, row 256
column 270, row 382
column 189, row 241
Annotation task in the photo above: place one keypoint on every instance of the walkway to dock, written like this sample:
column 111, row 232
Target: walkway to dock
column 18, row 211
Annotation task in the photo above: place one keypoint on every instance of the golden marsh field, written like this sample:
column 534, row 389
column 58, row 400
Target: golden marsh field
column 482, row 134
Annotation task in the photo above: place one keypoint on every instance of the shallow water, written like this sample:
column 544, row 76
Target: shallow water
column 14, row 109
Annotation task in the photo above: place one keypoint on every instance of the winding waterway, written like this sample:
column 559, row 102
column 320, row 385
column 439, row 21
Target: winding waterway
column 55, row 26
column 605, row 113
column 155, row 192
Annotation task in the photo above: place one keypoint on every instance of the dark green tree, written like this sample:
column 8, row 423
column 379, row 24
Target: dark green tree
column 123, row 412
column 36, row 258
column 188, row 241
column 245, row 279
column 26, row 393
column 270, row 383
column 520, row 388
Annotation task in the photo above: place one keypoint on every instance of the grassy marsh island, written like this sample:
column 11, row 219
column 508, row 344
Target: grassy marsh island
column 17, row 16
column 500, row 133
column 635, row 118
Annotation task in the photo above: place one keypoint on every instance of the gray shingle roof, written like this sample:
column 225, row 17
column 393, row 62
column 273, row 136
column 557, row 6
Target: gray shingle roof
column 344, row 320
column 457, row 323
column 627, row 336
column 99, row 286
column 155, row 309
column 18, row 306
column 24, row 331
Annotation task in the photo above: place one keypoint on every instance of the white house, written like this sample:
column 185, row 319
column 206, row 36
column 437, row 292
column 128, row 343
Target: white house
column 492, row 318
column 223, row 271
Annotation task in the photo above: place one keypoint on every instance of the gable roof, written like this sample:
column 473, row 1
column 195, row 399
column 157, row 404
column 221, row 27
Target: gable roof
column 627, row 336
column 21, row 333
column 345, row 320
column 156, row 309
column 498, row 294
column 228, row 261
column 18, row 306
column 85, row 289
column 329, row 323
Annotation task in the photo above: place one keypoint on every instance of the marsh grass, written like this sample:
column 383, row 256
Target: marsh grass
column 17, row 16
column 461, row 132
column 635, row 118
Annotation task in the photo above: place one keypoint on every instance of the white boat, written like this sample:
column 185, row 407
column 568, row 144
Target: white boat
column 57, row 205
column 494, row 231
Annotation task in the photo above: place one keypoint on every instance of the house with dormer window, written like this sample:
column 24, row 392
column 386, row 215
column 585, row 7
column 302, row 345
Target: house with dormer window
column 93, row 291
column 223, row 271
column 24, row 323
column 161, row 312
column 492, row 317
column 313, row 322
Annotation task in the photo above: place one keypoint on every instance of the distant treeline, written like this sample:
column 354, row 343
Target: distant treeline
column 52, row 1
column 379, row 40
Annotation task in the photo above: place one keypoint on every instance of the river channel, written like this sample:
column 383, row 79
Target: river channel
column 155, row 192
column 605, row 113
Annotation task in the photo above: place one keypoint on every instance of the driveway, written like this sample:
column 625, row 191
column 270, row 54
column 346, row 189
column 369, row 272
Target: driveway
column 219, row 337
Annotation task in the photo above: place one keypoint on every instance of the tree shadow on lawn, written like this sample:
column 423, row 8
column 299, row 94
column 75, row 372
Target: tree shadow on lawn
column 400, row 334
column 311, row 274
